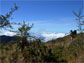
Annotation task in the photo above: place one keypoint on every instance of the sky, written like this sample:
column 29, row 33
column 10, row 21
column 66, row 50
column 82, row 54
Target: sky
column 48, row 16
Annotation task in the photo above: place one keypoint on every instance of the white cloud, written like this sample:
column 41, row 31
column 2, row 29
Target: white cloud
column 50, row 36
column 8, row 33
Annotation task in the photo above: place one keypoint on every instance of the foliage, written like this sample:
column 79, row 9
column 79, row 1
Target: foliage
column 80, row 20
column 4, row 20
column 23, row 31
column 35, row 52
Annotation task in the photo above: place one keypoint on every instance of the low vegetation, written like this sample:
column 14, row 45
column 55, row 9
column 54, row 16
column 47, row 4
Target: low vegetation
column 61, row 50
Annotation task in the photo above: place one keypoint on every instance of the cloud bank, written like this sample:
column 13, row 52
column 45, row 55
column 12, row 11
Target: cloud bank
column 44, row 36
column 7, row 33
column 50, row 36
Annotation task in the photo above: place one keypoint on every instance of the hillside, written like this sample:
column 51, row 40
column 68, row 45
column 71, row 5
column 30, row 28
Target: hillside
column 61, row 50
column 71, row 50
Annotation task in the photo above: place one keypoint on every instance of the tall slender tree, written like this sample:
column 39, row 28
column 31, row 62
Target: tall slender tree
column 23, row 32
column 80, row 17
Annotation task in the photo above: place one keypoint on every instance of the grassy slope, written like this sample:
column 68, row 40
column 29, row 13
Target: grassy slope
column 71, row 50
column 59, row 50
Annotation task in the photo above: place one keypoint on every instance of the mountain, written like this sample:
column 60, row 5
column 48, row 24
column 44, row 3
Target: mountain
column 6, row 39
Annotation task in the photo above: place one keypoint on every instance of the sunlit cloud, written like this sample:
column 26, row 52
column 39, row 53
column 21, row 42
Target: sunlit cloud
column 50, row 36
column 7, row 33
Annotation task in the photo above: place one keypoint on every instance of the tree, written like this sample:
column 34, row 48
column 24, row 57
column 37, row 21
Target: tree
column 23, row 32
column 4, row 20
column 80, row 20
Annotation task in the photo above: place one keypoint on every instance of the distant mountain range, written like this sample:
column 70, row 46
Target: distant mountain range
column 6, row 39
